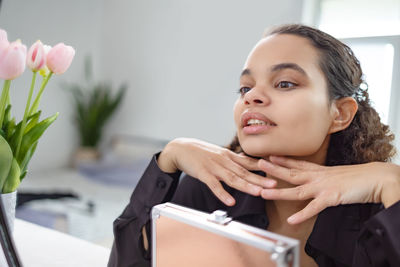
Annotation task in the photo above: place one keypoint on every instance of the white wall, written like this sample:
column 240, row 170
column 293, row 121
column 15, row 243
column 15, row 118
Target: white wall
column 73, row 22
column 181, row 58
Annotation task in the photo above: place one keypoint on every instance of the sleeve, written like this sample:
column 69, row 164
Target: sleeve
column 379, row 241
column 154, row 187
column 194, row 194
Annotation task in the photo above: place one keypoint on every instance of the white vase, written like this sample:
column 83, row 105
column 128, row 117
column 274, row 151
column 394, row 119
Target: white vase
column 9, row 202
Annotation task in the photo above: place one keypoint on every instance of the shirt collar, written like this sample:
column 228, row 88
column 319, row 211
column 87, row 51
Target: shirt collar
column 246, row 205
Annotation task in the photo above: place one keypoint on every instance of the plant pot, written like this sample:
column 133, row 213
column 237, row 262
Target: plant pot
column 85, row 155
column 9, row 202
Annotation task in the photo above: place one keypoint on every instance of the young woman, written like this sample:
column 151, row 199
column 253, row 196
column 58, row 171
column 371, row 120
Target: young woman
column 303, row 119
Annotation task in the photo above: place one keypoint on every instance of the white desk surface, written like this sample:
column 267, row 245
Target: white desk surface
column 95, row 227
column 41, row 247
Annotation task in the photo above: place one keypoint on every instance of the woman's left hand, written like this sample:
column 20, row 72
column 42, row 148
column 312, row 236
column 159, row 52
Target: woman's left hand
column 374, row 182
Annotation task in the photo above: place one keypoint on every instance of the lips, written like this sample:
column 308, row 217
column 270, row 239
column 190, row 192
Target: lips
column 254, row 118
column 254, row 123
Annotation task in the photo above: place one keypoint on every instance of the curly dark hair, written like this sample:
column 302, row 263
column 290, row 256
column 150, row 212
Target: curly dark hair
column 366, row 139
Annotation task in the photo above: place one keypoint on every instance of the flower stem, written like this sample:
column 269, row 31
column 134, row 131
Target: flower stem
column 3, row 100
column 28, row 103
column 35, row 104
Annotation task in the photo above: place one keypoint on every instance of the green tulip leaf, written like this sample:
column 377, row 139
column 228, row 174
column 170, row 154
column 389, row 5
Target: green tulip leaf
column 23, row 175
column 27, row 158
column 14, row 137
column 5, row 160
column 7, row 115
column 13, row 179
column 32, row 136
column 32, row 121
column 9, row 128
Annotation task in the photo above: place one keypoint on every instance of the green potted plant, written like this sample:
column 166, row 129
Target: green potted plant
column 94, row 104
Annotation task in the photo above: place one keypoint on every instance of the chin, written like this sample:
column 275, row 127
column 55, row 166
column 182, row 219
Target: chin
column 255, row 148
column 256, row 151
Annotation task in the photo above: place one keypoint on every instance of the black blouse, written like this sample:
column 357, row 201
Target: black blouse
column 359, row 235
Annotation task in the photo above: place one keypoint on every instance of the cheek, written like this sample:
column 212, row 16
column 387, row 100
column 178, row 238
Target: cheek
column 307, row 127
column 303, row 124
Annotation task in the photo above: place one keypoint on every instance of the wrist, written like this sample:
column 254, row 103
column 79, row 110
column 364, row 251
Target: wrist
column 391, row 188
column 166, row 159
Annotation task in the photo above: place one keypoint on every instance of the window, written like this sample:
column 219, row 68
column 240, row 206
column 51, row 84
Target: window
column 377, row 64
column 372, row 30
column 358, row 18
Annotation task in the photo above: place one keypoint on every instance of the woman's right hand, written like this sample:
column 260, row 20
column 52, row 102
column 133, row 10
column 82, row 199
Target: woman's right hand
column 211, row 164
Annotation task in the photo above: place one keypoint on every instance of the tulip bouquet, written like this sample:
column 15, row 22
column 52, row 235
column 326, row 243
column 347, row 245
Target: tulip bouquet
column 18, row 141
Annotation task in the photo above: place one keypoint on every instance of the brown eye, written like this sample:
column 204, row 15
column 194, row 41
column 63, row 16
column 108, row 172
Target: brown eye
column 244, row 90
column 286, row 84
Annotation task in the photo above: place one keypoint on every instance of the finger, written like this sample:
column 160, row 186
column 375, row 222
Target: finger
column 249, row 176
column 218, row 190
column 294, row 193
column 293, row 176
column 234, row 181
column 245, row 161
column 312, row 209
column 294, row 163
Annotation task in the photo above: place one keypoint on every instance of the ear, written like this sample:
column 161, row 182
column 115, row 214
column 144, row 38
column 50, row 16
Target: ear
column 343, row 111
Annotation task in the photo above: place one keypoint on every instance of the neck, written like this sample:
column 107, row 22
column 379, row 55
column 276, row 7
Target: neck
column 318, row 157
column 280, row 210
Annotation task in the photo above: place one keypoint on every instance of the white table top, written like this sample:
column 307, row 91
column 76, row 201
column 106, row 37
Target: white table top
column 95, row 227
column 41, row 247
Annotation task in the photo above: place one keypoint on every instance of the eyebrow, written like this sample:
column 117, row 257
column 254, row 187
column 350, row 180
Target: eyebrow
column 279, row 67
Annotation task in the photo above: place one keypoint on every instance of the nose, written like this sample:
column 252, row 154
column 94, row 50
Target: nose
column 256, row 96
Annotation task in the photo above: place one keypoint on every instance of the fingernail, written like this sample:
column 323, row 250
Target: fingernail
column 230, row 201
column 267, row 163
column 291, row 219
column 270, row 183
column 255, row 189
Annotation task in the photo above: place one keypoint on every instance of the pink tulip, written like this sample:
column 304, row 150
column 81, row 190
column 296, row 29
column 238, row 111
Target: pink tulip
column 44, row 71
column 59, row 58
column 3, row 41
column 36, row 58
column 3, row 35
column 12, row 60
column 47, row 49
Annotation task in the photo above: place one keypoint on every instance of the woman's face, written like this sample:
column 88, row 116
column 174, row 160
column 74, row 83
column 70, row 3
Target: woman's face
column 283, row 107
